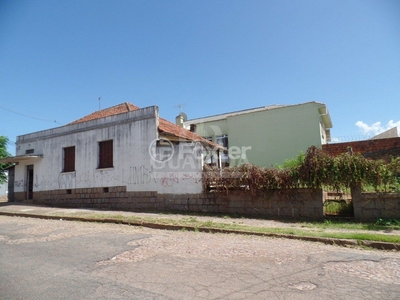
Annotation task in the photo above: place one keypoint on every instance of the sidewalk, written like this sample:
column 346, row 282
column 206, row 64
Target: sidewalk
column 88, row 213
column 171, row 221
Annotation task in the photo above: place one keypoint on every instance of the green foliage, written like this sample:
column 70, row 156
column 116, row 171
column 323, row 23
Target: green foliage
column 293, row 162
column 394, row 171
column 387, row 222
column 3, row 154
column 314, row 169
column 338, row 208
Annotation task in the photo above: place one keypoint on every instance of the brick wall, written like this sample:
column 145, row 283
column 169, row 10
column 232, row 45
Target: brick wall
column 375, row 149
column 296, row 203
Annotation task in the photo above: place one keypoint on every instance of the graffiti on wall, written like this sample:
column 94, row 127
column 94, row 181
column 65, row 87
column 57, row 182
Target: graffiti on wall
column 194, row 177
column 44, row 183
column 66, row 181
column 84, row 179
column 169, row 179
column 63, row 181
column 104, row 178
column 19, row 183
column 139, row 175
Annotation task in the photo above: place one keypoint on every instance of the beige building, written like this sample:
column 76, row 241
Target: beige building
column 264, row 136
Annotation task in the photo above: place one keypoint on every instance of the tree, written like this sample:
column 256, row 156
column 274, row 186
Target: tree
column 3, row 154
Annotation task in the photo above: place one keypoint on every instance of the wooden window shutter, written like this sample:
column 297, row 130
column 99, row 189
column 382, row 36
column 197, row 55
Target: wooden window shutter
column 106, row 154
column 69, row 159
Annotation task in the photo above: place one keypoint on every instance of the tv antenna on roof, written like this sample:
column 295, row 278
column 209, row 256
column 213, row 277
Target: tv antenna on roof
column 180, row 106
column 99, row 102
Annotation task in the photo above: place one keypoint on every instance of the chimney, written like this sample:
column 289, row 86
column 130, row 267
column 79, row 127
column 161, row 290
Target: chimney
column 179, row 120
column 193, row 127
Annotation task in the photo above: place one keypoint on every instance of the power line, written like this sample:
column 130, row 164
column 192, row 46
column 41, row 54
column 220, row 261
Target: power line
column 7, row 131
column 27, row 116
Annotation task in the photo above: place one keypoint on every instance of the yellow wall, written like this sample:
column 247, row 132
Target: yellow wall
column 273, row 135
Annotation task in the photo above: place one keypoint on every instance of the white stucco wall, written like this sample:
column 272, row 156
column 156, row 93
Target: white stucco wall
column 132, row 134
column 182, row 171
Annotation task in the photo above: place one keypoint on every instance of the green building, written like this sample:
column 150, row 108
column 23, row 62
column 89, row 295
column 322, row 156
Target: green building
column 264, row 136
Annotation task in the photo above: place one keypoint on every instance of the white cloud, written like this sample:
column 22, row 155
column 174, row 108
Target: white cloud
column 377, row 127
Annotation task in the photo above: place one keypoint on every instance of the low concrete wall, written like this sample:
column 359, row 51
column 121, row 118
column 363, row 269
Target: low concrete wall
column 371, row 206
column 296, row 203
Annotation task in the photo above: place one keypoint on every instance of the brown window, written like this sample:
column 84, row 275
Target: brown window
column 106, row 154
column 69, row 159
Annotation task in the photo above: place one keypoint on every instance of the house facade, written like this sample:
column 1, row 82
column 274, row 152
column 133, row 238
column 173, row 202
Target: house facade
column 122, row 146
column 264, row 136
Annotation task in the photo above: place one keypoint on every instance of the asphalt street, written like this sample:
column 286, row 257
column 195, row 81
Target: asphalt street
column 56, row 259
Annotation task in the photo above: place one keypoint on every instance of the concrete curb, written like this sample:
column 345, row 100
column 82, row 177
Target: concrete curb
column 329, row 241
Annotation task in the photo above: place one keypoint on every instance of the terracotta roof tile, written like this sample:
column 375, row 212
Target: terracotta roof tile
column 114, row 110
column 182, row 133
column 165, row 126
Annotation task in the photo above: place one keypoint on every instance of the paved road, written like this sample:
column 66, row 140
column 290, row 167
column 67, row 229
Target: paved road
column 50, row 259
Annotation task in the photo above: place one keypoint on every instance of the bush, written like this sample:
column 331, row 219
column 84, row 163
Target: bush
column 314, row 169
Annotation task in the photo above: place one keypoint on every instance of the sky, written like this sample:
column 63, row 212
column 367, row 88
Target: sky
column 203, row 57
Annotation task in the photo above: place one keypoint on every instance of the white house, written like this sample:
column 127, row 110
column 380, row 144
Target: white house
column 121, row 146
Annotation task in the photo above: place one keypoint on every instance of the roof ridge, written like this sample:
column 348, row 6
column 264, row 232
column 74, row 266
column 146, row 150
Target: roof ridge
column 111, row 107
column 243, row 111
column 106, row 112
column 254, row 109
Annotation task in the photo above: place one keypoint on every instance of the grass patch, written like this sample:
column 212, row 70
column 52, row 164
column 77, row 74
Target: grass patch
column 307, row 229
column 379, row 225
column 350, row 235
column 299, row 232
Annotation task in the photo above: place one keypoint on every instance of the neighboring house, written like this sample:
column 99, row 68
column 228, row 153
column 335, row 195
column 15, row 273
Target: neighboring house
column 264, row 136
column 391, row 133
column 121, row 146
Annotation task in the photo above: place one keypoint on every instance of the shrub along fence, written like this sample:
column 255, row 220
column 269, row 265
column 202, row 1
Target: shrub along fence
column 319, row 171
